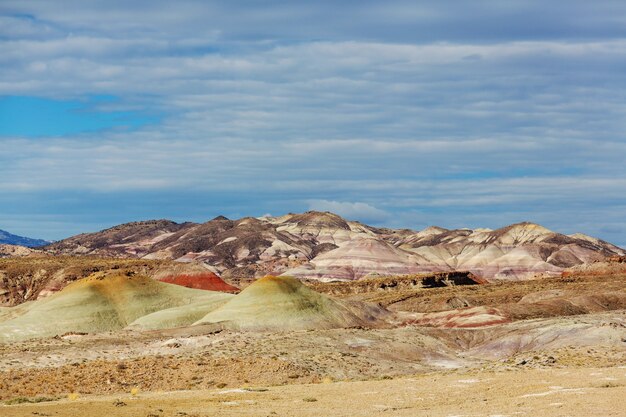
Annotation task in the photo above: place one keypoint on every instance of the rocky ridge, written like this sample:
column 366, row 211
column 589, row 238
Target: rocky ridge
column 322, row 245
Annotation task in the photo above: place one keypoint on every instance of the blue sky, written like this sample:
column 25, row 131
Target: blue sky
column 30, row 116
column 396, row 113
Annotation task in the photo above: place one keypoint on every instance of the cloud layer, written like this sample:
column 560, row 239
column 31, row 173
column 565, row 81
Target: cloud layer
column 397, row 114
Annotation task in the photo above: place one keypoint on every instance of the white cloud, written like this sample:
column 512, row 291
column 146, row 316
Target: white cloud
column 294, row 105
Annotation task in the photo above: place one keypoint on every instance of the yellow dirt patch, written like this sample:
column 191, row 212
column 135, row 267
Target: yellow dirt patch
column 534, row 392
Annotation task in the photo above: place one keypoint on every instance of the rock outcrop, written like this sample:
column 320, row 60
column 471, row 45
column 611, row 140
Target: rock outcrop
column 8, row 251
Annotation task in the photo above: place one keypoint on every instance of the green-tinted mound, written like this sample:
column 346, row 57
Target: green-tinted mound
column 284, row 303
column 180, row 316
column 103, row 302
column 8, row 313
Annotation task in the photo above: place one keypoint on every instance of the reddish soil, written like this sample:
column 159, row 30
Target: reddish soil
column 201, row 281
column 609, row 266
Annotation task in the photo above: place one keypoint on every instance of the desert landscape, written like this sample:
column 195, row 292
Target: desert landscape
column 334, row 316
column 312, row 208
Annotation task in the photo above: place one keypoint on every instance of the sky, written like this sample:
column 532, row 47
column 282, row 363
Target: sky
column 394, row 113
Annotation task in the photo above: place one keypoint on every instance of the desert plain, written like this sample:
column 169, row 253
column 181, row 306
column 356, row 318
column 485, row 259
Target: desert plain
column 121, row 336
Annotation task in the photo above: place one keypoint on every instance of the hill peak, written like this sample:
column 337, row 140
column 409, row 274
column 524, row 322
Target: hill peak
column 433, row 230
column 529, row 227
column 318, row 219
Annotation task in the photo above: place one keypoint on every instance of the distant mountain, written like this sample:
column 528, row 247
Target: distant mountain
column 324, row 246
column 517, row 251
column 11, row 239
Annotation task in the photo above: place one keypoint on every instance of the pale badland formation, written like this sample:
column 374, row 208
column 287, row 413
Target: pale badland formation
column 247, row 316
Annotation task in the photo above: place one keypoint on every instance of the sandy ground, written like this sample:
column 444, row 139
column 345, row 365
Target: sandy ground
column 177, row 360
column 527, row 392
column 550, row 361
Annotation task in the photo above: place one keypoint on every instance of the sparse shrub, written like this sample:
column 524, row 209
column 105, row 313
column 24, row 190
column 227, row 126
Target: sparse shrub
column 309, row 399
column 609, row 385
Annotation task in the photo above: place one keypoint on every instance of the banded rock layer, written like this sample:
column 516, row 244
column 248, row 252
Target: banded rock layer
column 324, row 246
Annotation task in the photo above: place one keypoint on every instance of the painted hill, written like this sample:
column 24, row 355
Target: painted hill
column 109, row 301
column 129, row 239
column 103, row 302
column 11, row 239
column 35, row 277
column 284, row 303
column 356, row 259
column 517, row 251
column 200, row 280
column 325, row 246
